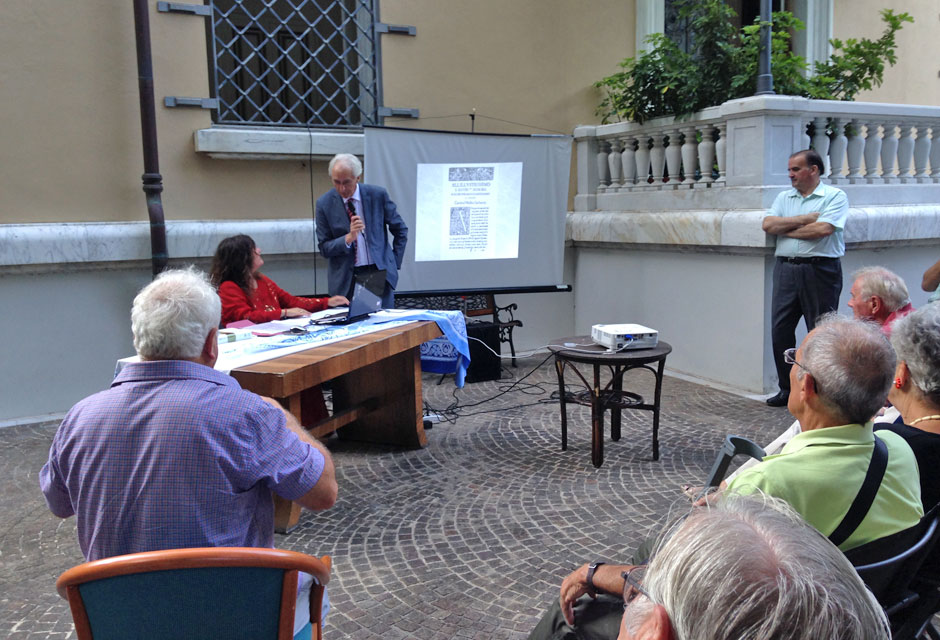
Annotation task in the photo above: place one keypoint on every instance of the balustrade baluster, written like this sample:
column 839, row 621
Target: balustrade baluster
column 889, row 154
column 614, row 165
column 807, row 143
column 905, row 152
column 643, row 161
column 837, row 145
column 689, row 151
column 673, row 156
column 628, row 160
column 821, row 142
column 935, row 151
column 603, row 148
column 922, row 148
column 658, row 158
column 720, row 148
column 855, row 146
column 872, row 153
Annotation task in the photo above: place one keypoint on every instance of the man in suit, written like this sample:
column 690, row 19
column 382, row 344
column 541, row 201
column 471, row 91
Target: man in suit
column 353, row 223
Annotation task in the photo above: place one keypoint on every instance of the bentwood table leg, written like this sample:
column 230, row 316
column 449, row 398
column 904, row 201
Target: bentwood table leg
column 560, row 370
column 615, row 408
column 656, row 397
column 597, row 420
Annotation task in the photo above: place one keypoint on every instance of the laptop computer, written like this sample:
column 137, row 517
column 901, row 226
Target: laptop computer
column 363, row 304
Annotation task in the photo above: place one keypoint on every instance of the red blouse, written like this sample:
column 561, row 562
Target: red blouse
column 264, row 305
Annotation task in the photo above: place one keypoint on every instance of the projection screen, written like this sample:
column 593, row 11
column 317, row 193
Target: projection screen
column 484, row 211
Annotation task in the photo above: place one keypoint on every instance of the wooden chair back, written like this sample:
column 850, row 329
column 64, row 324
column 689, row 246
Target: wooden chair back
column 213, row 592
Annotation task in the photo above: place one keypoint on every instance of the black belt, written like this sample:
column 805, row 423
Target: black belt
column 366, row 268
column 812, row 260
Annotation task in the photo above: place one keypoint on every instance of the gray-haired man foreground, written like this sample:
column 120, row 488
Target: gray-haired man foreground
column 176, row 454
column 744, row 567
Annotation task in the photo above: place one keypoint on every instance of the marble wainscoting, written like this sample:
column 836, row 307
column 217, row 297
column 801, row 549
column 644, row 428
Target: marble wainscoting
column 703, row 279
column 66, row 291
column 101, row 242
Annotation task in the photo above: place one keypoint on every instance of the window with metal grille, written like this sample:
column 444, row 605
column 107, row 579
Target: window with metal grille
column 295, row 62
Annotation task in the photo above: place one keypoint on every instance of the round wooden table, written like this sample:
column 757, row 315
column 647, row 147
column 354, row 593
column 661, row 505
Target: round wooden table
column 581, row 349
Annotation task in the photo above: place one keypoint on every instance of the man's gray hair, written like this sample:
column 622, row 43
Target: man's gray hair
column 884, row 283
column 347, row 160
column 916, row 339
column 750, row 567
column 852, row 364
column 173, row 315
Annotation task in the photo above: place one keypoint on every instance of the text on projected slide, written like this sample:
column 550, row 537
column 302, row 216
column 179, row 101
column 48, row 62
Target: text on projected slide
column 467, row 211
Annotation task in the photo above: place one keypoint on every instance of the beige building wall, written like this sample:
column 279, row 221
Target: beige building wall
column 914, row 79
column 70, row 147
column 531, row 63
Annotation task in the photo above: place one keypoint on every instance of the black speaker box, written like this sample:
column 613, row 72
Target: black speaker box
column 484, row 364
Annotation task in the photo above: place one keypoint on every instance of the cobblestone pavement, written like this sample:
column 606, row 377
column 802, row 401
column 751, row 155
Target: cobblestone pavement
column 467, row 538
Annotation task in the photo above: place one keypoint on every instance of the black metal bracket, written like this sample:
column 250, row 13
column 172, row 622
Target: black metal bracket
column 389, row 112
column 179, row 7
column 396, row 29
column 201, row 103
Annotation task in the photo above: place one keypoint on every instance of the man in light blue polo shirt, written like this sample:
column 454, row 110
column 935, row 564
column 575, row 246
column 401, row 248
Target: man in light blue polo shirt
column 808, row 221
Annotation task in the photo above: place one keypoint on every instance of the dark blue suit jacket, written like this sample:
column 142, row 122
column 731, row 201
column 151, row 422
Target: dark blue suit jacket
column 380, row 217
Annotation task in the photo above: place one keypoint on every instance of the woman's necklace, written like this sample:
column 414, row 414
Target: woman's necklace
column 933, row 417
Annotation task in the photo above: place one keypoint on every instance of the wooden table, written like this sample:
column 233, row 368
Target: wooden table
column 612, row 396
column 376, row 390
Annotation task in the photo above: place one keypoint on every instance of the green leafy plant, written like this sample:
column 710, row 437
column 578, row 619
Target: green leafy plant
column 723, row 65
column 861, row 64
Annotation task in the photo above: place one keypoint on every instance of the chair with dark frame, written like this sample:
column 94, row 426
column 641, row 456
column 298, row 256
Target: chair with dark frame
column 891, row 568
column 213, row 592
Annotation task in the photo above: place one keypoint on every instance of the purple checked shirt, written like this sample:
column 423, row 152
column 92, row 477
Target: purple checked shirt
column 174, row 454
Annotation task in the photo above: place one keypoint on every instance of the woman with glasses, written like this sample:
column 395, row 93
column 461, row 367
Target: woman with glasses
column 916, row 393
column 248, row 295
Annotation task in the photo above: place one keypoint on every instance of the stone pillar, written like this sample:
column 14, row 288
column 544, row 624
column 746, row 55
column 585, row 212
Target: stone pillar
column 872, row 153
column 837, row 145
column 855, row 146
column 689, row 152
column 628, row 161
column 658, row 158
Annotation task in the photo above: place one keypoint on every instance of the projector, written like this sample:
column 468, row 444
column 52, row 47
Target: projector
column 620, row 337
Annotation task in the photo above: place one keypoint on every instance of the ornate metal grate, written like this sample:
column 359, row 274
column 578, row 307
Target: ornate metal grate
column 296, row 62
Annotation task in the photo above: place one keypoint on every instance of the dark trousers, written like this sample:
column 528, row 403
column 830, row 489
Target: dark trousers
column 594, row 619
column 801, row 290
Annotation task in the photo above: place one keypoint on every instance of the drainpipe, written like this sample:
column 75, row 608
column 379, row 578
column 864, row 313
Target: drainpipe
column 153, row 181
column 765, row 79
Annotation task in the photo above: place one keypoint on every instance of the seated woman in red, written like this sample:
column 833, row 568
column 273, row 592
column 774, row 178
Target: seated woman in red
column 248, row 295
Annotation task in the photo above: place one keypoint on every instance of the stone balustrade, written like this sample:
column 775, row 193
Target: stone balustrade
column 735, row 155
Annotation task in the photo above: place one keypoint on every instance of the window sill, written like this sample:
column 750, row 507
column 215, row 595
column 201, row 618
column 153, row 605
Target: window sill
column 247, row 143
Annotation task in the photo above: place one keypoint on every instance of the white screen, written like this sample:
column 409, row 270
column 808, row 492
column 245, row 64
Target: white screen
column 483, row 211
column 467, row 211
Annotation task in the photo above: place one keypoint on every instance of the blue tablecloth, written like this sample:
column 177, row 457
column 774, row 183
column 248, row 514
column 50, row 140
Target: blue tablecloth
column 448, row 354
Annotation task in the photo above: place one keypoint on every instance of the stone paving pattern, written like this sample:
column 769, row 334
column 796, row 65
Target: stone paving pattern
column 467, row 538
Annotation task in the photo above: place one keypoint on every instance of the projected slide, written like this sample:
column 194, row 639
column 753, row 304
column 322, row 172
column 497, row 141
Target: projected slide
column 467, row 211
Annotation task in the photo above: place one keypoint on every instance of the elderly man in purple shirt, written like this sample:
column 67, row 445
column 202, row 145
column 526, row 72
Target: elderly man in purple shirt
column 176, row 454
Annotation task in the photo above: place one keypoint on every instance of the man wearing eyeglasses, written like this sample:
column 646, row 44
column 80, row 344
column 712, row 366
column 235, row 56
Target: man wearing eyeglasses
column 840, row 378
column 745, row 567
column 353, row 222
column 807, row 221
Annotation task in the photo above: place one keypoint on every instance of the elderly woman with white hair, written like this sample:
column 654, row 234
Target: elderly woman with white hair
column 915, row 392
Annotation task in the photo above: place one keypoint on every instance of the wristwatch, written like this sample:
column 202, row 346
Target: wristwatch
column 591, row 589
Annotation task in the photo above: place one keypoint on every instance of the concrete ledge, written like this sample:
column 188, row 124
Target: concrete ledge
column 742, row 228
column 246, row 143
column 103, row 242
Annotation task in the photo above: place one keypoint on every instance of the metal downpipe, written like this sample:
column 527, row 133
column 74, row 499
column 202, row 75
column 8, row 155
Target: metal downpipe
column 152, row 180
